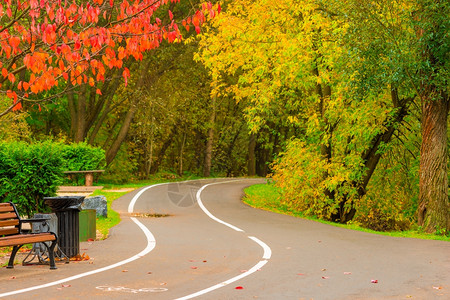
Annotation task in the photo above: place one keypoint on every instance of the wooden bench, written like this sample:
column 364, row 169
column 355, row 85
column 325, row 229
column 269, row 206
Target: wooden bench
column 89, row 175
column 11, row 234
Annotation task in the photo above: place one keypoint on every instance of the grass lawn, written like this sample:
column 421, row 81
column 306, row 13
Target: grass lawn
column 267, row 197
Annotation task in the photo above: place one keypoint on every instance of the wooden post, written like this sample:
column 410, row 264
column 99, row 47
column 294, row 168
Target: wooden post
column 89, row 179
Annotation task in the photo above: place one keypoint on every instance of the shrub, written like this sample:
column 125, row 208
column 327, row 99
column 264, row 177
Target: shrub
column 28, row 173
column 83, row 157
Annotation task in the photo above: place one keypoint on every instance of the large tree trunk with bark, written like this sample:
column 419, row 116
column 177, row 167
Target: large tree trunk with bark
column 434, row 207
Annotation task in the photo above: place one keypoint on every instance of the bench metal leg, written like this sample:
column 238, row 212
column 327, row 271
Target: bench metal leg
column 13, row 256
column 51, row 255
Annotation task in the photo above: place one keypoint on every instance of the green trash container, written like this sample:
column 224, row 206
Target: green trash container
column 88, row 229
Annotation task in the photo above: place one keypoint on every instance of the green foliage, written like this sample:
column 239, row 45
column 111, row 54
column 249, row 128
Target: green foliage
column 343, row 75
column 29, row 172
column 14, row 126
column 82, row 157
column 121, row 169
column 269, row 197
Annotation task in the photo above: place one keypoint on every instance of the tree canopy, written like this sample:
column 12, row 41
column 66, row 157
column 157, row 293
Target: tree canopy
column 50, row 42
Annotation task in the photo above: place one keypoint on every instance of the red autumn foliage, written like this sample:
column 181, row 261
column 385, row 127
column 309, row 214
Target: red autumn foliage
column 73, row 41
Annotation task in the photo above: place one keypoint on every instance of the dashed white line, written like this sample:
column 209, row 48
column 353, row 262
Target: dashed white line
column 266, row 256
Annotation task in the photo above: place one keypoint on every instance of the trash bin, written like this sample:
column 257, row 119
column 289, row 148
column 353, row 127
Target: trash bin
column 88, row 224
column 67, row 210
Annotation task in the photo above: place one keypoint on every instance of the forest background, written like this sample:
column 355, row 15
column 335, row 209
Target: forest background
column 344, row 104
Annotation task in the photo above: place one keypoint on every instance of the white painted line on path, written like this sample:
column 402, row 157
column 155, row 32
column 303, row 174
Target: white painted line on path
column 200, row 203
column 266, row 256
column 151, row 243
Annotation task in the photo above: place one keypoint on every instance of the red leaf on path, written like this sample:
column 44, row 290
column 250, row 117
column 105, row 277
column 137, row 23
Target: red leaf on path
column 325, row 277
column 239, row 288
column 301, row 274
column 347, row 273
column 90, row 240
column 374, row 281
column 124, row 271
column 66, row 285
column 12, row 277
column 204, row 261
column 193, row 267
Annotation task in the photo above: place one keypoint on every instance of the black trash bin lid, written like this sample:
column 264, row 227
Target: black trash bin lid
column 61, row 203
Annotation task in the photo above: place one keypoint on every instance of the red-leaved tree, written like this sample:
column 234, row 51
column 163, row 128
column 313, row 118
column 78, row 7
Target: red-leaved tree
column 46, row 42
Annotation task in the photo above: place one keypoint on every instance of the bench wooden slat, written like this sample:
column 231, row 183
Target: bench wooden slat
column 7, row 231
column 6, row 208
column 9, row 215
column 9, row 223
column 26, row 239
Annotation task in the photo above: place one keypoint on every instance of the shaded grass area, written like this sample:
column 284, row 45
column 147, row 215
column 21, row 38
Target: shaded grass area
column 268, row 197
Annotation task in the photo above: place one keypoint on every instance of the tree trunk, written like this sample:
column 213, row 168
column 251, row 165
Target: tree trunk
column 434, row 207
column 112, row 151
column 251, row 155
column 371, row 157
column 80, row 129
column 160, row 157
column 210, row 140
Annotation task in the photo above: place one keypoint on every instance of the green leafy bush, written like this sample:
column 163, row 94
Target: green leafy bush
column 28, row 173
column 83, row 157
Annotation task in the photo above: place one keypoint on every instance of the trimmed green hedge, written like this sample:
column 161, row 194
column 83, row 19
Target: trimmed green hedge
column 30, row 172
column 83, row 157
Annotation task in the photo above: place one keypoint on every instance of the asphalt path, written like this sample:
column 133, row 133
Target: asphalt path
column 198, row 240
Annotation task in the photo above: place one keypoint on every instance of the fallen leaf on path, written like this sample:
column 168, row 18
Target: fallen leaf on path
column 149, row 272
column 324, row 269
column 193, row 267
column 243, row 271
column 347, row 273
column 301, row 274
column 163, row 283
column 239, row 288
column 374, row 281
column 90, row 240
column 124, row 271
column 66, row 285
column 325, row 277
column 437, row 287
column 12, row 277
column 81, row 257
column 205, row 261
